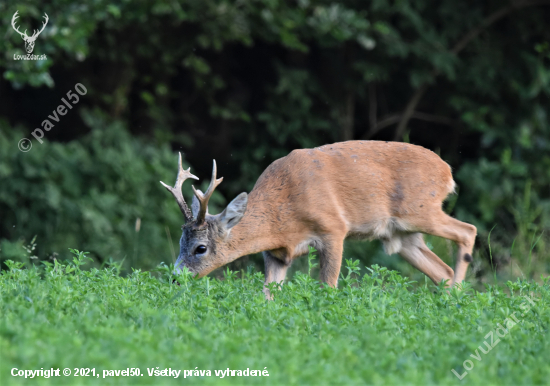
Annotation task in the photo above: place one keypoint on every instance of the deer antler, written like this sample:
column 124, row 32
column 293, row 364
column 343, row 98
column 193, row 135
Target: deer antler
column 203, row 198
column 23, row 34
column 176, row 190
column 35, row 34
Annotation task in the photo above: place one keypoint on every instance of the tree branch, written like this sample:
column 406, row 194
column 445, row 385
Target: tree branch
column 392, row 119
column 459, row 46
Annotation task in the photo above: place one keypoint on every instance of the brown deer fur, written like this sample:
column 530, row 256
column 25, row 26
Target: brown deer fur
column 390, row 191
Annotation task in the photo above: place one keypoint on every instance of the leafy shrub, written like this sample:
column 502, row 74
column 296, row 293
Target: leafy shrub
column 91, row 192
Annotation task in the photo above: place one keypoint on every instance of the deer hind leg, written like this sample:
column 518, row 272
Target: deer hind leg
column 275, row 271
column 463, row 234
column 416, row 252
column 330, row 259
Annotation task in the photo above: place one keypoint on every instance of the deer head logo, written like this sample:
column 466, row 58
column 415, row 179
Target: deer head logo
column 29, row 40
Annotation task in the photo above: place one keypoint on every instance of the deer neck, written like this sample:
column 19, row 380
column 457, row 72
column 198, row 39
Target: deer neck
column 253, row 234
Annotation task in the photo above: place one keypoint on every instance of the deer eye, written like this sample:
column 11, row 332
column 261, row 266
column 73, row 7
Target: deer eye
column 200, row 250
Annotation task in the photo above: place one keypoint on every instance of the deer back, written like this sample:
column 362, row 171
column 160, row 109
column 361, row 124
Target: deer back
column 355, row 184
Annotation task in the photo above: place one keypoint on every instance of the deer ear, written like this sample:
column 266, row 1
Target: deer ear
column 195, row 205
column 234, row 212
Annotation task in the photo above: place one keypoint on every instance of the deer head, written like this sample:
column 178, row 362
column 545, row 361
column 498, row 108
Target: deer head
column 203, row 243
column 29, row 40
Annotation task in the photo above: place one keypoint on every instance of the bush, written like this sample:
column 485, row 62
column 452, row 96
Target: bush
column 101, row 192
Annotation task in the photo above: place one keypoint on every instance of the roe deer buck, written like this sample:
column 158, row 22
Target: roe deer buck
column 390, row 191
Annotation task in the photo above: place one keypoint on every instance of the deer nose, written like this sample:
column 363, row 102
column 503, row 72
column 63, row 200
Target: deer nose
column 178, row 266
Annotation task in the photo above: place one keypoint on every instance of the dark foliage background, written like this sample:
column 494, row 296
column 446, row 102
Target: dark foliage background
column 245, row 82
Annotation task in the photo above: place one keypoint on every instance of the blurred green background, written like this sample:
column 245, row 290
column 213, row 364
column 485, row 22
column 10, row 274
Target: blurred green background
column 246, row 82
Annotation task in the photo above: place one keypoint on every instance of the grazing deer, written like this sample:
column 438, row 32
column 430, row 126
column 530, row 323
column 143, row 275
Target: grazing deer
column 318, row 197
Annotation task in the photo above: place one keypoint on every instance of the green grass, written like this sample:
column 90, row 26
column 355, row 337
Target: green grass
column 377, row 329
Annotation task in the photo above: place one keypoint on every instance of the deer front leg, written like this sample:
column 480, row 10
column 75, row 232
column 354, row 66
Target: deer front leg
column 275, row 271
column 330, row 259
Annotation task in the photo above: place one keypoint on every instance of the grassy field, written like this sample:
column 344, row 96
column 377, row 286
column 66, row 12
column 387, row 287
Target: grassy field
column 375, row 329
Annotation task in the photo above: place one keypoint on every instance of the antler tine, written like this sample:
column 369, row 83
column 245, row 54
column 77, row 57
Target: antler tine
column 204, row 198
column 44, row 23
column 176, row 190
column 15, row 16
